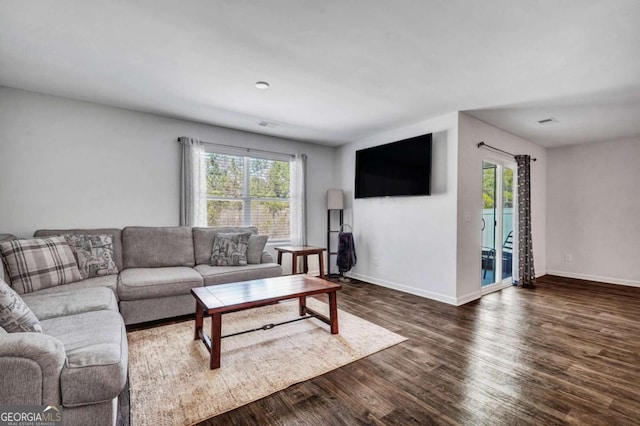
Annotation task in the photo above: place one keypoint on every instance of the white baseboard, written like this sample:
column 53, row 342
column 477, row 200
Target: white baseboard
column 406, row 289
column 469, row 298
column 606, row 280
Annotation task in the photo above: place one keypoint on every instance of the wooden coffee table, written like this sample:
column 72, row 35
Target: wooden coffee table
column 220, row 299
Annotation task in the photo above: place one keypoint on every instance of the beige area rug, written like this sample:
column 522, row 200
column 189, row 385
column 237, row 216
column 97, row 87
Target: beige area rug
column 169, row 375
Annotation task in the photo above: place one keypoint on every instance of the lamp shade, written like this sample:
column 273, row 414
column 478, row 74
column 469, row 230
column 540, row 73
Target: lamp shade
column 335, row 199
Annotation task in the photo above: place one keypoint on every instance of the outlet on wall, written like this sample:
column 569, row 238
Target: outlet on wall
column 568, row 257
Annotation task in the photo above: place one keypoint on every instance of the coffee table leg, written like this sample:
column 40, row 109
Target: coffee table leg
column 294, row 264
column 199, row 320
column 333, row 312
column 303, row 306
column 216, row 336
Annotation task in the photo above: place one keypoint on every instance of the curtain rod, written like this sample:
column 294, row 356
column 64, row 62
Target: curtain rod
column 481, row 144
column 246, row 149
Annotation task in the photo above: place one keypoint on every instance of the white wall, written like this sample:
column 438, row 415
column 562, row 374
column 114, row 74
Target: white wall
column 408, row 243
column 66, row 163
column 593, row 212
column 472, row 131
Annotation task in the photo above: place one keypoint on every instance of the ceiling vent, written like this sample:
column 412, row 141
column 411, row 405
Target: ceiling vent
column 268, row 124
column 548, row 121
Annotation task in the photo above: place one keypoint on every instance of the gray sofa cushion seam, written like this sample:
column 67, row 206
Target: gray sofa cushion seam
column 154, row 285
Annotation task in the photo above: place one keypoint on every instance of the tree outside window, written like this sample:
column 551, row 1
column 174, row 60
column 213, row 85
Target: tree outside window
column 249, row 191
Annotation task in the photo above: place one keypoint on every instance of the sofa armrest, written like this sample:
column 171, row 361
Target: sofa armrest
column 31, row 364
column 266, row 257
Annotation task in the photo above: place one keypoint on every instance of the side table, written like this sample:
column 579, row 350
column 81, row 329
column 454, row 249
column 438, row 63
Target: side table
column 303, row 251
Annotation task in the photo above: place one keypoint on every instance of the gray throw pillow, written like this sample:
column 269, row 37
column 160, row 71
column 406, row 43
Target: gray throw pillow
column 94, row 254
column 230, row 249
column 255, row 248
column 15, row 315
column 38, row 263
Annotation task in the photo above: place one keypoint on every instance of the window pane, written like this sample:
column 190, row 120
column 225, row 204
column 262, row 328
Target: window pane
column 271, row 218
column 224, row 213
column 225, row 175
column 507, row 222
column 268, row 178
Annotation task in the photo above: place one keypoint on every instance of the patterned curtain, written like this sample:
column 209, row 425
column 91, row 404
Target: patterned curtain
column 193, row 203
column 526, row 273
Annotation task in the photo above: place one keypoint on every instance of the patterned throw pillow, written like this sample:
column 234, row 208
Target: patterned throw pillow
column 15, row 315
column 94, row 254
column 230, row 249
column 39, row 263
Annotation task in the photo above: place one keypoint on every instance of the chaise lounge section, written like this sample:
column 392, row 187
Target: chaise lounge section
column 79, row 360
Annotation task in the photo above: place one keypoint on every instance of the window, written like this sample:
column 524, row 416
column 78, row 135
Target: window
column 249, row 191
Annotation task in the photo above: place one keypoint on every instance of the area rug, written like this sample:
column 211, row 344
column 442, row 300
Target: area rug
column 169, row 375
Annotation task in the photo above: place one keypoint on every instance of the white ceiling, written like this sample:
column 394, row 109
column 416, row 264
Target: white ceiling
column 339, row 70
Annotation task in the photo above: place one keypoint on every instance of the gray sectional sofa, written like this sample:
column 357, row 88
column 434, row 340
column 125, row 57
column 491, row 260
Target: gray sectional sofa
column 80, row 359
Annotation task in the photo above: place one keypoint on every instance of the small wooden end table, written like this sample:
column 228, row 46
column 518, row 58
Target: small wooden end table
column 219, row 299
column 303, row 251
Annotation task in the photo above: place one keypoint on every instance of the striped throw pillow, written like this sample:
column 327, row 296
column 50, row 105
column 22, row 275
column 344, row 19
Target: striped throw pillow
column 35, row 264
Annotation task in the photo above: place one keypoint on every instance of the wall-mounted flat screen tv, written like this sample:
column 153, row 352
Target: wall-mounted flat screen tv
column 395, row 169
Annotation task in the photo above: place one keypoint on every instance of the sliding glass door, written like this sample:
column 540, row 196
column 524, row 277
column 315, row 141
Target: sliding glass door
column 489, row 222
column 497, row 222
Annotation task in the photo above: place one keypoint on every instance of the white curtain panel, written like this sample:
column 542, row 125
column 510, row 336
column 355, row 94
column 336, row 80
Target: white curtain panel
column 193, row 183
column 299, row 200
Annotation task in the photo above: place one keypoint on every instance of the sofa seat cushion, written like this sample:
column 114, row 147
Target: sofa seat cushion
column 64, row 303
column 96, row 347
column 107, row 281
column 227, row 274
column 149, row 283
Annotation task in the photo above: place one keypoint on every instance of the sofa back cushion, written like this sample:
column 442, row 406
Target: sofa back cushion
column 255, row 248
column 203, row 240
column 114, row 232
column 156, row 247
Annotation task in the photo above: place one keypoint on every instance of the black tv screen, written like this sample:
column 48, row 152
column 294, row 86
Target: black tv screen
column 394, row 169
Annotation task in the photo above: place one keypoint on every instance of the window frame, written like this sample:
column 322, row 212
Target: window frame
column 246, row 198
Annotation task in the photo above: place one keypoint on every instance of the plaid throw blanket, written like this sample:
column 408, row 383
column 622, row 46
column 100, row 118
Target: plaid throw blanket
column 346, row 252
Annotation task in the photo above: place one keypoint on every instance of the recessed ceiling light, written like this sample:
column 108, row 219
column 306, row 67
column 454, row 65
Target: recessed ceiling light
column 262, row 85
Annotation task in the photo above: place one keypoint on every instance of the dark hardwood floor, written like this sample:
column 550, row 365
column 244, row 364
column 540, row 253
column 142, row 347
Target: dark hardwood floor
column 567, row 351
